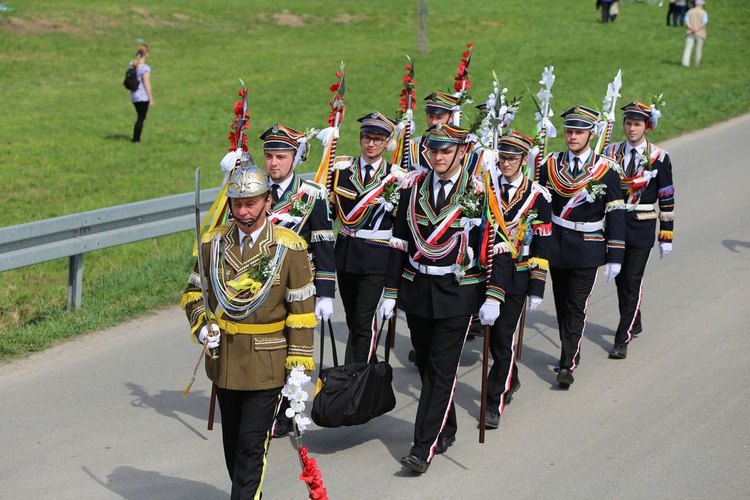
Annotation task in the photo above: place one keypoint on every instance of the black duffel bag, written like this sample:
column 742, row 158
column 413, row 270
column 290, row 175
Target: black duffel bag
column 355, row 393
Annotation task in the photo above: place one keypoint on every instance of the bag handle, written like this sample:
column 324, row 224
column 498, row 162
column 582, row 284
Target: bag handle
column 323, row 343
column 387, row 358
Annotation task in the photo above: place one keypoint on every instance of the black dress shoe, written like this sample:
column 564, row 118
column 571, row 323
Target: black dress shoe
column 619, row 351
column 564, row 378
column 415, row 463
column 511, row 391
column 443, row 444
column 283, row 427
column 557, row 367
column 491, row 419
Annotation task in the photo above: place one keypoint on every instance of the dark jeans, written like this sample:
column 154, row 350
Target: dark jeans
column 141, row 108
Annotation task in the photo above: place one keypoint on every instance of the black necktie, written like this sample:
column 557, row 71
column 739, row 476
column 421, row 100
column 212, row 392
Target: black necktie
column 576, row 167
column 630, row 172
column 368, row 174
column 506, row 192
column 441, row 195
column 275, row 192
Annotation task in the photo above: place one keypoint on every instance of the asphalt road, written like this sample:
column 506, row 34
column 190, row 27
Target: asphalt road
column 103, row 416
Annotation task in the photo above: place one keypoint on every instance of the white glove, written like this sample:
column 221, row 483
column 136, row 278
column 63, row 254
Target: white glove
column 489, row 312
column 534, row 302
column 611, row 270
column 324, row 308
column 664, row 248
column 212, row 339
column 386, row 308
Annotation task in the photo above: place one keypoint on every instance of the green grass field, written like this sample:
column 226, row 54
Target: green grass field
column 67, row 120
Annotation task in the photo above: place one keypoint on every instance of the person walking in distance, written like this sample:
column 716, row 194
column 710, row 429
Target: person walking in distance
column 142, row 97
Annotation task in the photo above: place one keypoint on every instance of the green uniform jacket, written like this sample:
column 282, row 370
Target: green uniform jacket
column 255, row 352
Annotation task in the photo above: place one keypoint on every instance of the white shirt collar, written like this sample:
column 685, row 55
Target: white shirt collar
column 283, row 185
column 583, row 158
column 253, row 236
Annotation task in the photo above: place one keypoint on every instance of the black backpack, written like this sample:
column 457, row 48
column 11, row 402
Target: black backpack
column 131, row 79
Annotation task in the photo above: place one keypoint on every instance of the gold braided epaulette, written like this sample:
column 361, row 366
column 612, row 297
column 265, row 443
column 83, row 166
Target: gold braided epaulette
column 218, row 230
column 288, row 238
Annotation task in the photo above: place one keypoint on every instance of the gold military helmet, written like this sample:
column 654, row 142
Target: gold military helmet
column 247, row 181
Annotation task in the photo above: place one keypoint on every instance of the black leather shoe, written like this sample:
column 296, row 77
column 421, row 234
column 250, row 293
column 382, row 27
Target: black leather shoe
column 443, row 444
column 415, row 463
column 283, row 428
column 491, row 419
column 511, row 391
column 619, row 351
column 557, row 367
column 564, row 378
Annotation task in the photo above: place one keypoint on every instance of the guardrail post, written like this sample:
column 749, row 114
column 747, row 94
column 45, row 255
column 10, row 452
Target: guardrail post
column 75, row 282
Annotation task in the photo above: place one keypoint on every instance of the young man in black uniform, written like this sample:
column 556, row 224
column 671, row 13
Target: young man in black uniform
column 646, row 177
column 519, row 264
column 301, row 206
column 586, row 193
column 365, row 222
column 433, row 273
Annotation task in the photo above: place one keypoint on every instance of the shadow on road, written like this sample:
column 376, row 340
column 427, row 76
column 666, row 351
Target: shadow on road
column 171, row 404
column 132, row 484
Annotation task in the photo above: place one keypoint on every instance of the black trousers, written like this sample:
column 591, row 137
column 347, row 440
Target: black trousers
column 503, row 342
column 438, row 344
column 572, row 289
column 605, row 11
column 246, row 419
column 360, row 294
column 630, row 293
column 142, row 109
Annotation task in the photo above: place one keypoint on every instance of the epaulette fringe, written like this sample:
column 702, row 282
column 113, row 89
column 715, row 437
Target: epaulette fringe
column 288, row 238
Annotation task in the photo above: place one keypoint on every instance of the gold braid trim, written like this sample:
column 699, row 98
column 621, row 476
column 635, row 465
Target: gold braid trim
column 292, row 361
column 289, row 238
column 218, row 230
column 535, row 262
column 189, row 297
column 306, row 320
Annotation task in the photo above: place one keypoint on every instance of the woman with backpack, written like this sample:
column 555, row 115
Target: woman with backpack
column 141, row 97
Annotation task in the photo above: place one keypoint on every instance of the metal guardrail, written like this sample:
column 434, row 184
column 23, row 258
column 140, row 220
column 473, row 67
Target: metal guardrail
column 74, row 235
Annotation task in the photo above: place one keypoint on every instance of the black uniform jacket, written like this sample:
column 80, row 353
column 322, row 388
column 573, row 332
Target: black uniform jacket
column 420, row 293
column 652, row 182
column 354, row 254
column 527, row 220
column 303, row 208
column 575, row 249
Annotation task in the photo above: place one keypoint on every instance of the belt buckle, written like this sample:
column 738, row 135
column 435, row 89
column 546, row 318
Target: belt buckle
column 577, row 225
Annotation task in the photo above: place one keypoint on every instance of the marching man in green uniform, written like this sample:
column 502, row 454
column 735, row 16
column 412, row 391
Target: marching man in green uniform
column 260, row 321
